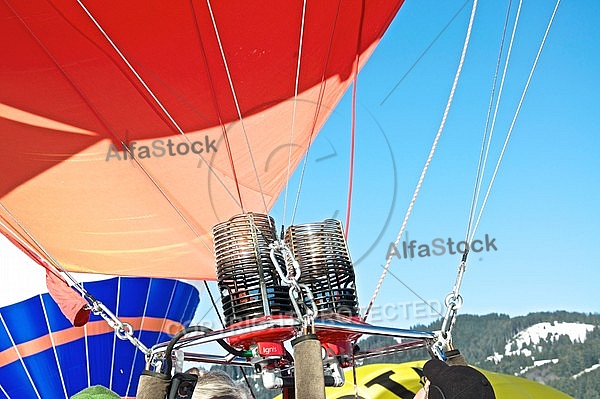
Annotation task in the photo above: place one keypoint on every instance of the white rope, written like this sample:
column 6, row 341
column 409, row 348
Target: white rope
column 211, row 170
column 289, row 161
column 235, row 100
column 427, row 163
column 315, row 120
column 512, row 125
column 51, row 335
column 50, row 260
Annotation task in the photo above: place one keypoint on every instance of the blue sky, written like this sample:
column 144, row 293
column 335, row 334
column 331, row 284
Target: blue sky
column 542, row 209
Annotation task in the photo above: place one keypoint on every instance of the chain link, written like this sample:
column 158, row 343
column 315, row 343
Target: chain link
column 297, row 291
column 124, row 331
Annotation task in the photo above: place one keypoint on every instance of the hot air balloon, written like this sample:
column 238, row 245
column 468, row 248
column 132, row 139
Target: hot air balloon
column 141, row 134
column 131, row 130
column 43, row 356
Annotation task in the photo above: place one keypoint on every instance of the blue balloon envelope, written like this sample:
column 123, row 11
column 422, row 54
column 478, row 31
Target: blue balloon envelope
column 43, row 356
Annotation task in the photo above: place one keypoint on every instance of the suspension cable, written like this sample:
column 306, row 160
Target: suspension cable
column 165, row 112
column 217, row 109
column 323, row 84
column 236, row 102
column 353, row 127
column 494, row 117
column 131, row 68
column 171, row 120
column 124, row 331
column 454, row 300
column 95, row 112
column 429, row 158
column 484, row 147
column 514, row 119
column 295, row 102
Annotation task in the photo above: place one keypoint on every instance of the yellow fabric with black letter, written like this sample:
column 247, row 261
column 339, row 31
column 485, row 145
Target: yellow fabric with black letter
column 392, row 381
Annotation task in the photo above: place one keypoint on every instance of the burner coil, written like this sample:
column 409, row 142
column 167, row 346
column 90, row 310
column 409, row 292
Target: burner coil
column 320, row 249
column 249, row 284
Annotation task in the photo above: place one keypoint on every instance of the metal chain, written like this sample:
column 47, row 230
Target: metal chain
column 297, row 291
column 124, row 331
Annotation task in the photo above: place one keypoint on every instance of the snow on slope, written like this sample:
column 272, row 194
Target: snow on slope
column 588, row 370
column 542, row 331
column 537, row 363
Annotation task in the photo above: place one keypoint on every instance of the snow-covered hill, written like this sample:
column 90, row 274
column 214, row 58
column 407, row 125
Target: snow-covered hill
column 546, row 331
column 560, row 349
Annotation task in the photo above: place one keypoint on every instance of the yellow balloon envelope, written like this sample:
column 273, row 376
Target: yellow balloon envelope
column 392, row 381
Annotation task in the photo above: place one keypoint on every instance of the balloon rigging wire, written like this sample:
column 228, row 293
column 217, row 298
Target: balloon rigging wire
column 217, row 109
column 483, row 151
column 103, row 122
column 51, row 264
column 295, row 102
column 131, row 68
column 323, row 84
column 353, row 127
column 454, row 297
column 166, row 113
column 517, row 111
column 163, row 109
column 427, row 162
column 237, row 105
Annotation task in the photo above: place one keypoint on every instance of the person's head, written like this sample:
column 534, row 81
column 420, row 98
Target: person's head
column 96, row 392
column 218, row 385
column 454, row 382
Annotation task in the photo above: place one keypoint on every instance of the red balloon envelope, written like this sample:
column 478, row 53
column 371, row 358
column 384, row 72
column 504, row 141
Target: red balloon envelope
column 203, row 96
